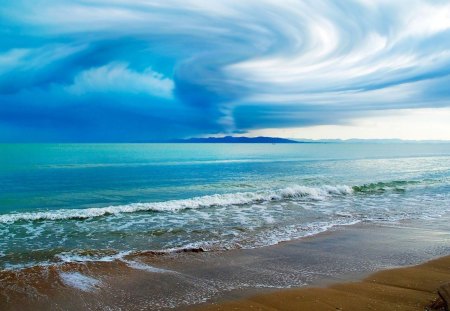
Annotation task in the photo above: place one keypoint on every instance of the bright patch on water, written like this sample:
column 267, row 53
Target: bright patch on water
column 141, row 266
column 79, row 281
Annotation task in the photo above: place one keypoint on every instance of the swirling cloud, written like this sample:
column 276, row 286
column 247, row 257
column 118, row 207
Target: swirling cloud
column 69, row 70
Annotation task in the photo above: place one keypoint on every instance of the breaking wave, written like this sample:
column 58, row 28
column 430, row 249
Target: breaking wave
column 216, row 200
column 379, row 187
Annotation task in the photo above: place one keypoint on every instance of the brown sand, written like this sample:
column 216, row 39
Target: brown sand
column 411, row 288
column 232, row 275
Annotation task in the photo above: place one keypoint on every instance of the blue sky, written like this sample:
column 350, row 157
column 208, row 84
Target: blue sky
column 136, row 70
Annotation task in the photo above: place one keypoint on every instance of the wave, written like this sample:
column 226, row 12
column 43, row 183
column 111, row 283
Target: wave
column 216, row 200
column 379, row 187
column 133, row 258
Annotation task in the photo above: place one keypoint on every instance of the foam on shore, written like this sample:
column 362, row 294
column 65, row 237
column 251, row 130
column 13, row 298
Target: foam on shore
column 79, row 281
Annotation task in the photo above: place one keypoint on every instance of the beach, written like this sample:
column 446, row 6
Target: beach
column 402, row 289
column 319, row 271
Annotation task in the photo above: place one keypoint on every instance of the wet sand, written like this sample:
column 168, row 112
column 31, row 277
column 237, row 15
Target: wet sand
column 402, row 289
column 225, row 279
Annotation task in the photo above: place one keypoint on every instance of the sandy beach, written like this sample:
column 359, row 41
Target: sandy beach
column 402, row 289
column 321, row 272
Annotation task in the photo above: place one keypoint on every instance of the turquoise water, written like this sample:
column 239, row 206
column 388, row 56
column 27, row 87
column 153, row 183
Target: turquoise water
column 78, row 202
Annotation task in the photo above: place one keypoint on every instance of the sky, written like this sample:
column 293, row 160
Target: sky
column 141, row 70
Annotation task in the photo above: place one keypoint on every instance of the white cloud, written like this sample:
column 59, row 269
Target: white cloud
column 12, row 59
column 346, row 50
column 34, row 58
column 117, row 77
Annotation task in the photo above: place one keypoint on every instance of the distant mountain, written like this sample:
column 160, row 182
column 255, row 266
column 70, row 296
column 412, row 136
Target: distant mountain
column 372, row 141
column 236, row 140
column 277, row 140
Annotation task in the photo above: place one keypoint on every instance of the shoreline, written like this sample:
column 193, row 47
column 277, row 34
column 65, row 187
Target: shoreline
column 185, row 281
column 407, row 288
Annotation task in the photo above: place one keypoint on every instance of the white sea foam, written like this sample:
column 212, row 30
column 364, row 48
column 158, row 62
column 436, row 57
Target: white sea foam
column 216, row 200
column 79, row 281
column 141, row 266
column 75, row 256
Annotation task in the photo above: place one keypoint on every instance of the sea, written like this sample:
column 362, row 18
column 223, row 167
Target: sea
column 63, row 203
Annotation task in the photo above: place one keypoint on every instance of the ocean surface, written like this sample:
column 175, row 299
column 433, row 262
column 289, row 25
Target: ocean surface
column 100, row 202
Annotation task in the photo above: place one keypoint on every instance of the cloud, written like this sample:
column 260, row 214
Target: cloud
column 12, row 59
column 23, row 67
column 56, row 115
column 343, row 52
column 224, row 66
column 118, row 78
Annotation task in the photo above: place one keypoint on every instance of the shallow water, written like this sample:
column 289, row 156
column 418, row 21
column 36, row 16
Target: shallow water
column 90, row 202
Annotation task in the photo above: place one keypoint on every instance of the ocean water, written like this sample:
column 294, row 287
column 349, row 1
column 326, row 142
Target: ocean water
column 99, row 202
